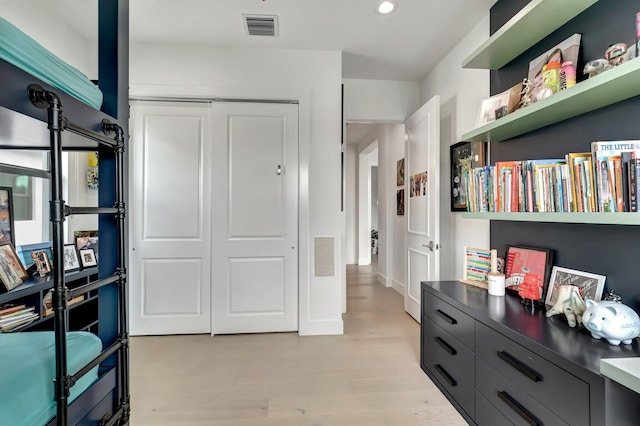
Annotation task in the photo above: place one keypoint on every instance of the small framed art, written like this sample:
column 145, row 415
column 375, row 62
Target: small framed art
column 400, row 202
column 88, row 258
column 589, row 285
column 465, row 156
column 527, row 271
column 489, row 107
column 71, row 260
column 400, row 173
column 12, row 273
column 43, row 263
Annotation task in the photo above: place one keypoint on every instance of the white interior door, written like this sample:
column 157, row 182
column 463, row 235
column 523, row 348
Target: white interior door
column 255, row 220
column 422, row 132
column 170, row 210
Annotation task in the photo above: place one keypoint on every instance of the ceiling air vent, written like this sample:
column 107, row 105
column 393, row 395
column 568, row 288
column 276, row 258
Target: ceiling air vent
column 261, row 25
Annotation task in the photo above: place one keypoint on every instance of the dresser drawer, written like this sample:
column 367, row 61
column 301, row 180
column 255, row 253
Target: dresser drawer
column 487, row 414
column 557, row 389
column 451, row 380
column 452, row 320
column 516, row 405
column 450, row 349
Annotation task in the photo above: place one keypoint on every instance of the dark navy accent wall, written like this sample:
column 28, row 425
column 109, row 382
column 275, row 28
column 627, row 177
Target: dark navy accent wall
column 609, row 250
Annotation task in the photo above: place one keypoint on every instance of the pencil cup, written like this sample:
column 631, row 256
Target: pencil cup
column 496, row 284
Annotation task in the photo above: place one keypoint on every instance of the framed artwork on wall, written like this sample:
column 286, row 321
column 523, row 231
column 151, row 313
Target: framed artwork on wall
column 464, row 157
column 400, row 173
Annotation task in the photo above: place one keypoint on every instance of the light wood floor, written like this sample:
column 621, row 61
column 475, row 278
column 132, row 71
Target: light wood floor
column 369, row 376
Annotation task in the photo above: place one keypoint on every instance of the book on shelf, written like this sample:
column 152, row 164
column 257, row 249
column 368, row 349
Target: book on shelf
column 9, row 309
column 13, row 319
column 47, row 302
column 613, row 186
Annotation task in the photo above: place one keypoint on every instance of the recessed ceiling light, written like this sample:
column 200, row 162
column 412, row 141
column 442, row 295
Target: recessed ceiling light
column 385, row 7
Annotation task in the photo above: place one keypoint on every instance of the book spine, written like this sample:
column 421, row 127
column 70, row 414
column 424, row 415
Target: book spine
column 617, row 167
column 625, row 157
column 631, row 171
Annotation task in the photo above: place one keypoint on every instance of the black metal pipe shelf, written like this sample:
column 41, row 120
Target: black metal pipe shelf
column 35, row 284
column 89, row 210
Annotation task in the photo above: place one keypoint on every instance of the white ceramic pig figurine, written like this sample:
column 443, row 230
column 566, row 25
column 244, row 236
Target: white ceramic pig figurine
column 611, row 320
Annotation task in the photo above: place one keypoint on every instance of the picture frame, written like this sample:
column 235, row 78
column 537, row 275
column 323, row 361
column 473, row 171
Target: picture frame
column 24, row 252
column 400, row 202
column 86, row 239
column 589, row 285
column 71, row 259
column 88, row 258
column 489, row 107
column 567, row 50
column 400, row 173
column 464, row 156
column 526, row 264
column 7, row 230
column 12, row 272
column 42, row 261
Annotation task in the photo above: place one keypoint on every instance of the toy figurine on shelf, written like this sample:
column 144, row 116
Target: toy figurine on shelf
column 529, row 291
column 613, row 321
column 570, row 303
column 595, row 67
column 525, row 94
column 615, row 54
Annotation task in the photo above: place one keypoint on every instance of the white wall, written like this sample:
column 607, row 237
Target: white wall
column 380, row 100
column 312, row 77
column 351, row 204
column 461, row 92
column 80, row 195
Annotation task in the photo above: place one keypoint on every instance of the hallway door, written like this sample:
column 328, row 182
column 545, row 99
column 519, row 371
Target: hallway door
column 422, row 131
column 255, row 218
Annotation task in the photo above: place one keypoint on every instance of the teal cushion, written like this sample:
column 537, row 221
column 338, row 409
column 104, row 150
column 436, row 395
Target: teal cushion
column 22, row 51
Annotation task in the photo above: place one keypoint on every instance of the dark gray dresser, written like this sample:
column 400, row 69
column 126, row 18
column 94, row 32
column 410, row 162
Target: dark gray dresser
column 499, row 363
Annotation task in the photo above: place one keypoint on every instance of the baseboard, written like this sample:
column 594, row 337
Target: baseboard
column 321, row 328
column 384, row 280
column 364, row 262
column 399, row 287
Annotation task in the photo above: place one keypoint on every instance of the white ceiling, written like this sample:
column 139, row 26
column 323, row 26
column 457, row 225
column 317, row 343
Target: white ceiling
column 402, row 46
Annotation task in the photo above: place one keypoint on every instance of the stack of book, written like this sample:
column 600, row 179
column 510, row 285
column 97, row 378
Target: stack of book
column 14, row 317
column 607, row 179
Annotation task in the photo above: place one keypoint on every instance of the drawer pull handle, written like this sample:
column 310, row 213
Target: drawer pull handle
column 518, row 408
column 446, row 317
column 447, row 347
column 446, row 375
column 520, row 366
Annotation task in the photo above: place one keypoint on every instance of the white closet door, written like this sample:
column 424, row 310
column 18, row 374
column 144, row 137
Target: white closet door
column 170, row 211
column 255, row 221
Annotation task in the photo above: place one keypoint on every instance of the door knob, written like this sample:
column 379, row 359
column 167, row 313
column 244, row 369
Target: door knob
column 430, row 246
column 279, row 170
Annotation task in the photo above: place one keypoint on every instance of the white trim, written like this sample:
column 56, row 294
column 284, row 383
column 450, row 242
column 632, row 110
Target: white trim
column 383, row 280
column 399, row 287
column 306, row 326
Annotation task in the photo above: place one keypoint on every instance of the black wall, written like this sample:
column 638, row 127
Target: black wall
column 609, row 250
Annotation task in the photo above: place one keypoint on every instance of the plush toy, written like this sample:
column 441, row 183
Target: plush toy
column 596, row 66
column 613, row 321
column 570, row 303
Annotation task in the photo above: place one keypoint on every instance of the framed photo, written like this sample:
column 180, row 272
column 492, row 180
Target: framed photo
column 464, row 157
column 71, row 260
column 568, row 50
column 400, row 173
column 25, row 251
column 42, row 261
column 86, row 239
column 400, row 202
column 12, row 273
column 589, row 285
column 489, row 107
column 527, row 271
column 6, row 216
column 88, row 258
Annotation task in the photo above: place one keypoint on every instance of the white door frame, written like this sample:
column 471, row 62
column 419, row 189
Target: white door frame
column 365, row 161
column 194, row 93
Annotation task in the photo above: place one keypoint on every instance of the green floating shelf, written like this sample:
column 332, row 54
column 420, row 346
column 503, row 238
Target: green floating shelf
column 591, row 218
column 534, row 22
column 612, row 86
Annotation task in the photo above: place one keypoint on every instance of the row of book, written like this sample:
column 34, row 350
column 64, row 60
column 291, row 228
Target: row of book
column 14, row 317
column 607, row 179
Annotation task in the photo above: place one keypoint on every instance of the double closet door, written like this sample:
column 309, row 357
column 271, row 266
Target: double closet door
column 214, row 217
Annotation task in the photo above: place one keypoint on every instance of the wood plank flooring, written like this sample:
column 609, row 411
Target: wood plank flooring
column 369, row 376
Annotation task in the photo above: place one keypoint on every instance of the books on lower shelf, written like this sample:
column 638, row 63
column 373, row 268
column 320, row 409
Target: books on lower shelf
column 606, row 179
column 47, row 301
column 14, row 317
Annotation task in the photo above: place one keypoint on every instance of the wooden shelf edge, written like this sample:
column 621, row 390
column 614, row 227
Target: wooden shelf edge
column 534, row 22
column 605, row 89
column 585, row 218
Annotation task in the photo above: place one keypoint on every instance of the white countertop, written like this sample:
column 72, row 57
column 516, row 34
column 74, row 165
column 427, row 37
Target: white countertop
column 625, row 371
